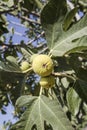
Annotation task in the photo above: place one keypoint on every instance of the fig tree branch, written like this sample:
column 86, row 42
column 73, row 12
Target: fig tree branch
column 13, row 45
column 34, row 39
column 9, row 10
column 25, row 18
column 63, row 74
column 29, row 20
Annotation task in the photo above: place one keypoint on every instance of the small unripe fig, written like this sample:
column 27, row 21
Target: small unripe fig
column 47, row 82
column 24, row 65
column 33, row 57
column 42, row 65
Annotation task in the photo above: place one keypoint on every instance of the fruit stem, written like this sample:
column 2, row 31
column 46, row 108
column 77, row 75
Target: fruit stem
column 28, row 70
column 50, row 95
column 40, row 91
column 49, row 54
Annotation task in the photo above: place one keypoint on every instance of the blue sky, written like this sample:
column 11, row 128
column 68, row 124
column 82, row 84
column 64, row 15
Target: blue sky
column 17, row 37
column 8, row 116
column 19, row 30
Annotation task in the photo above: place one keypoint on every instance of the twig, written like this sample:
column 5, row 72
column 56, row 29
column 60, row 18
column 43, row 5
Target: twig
column 33, row 12
column 9, row 45
column 62, row 74
column 29, row 20
column 17, row 24
column 20, row 34
column 26, row 19
column 34, row 39
column 25, row 10
column 41, row 45
column 40, row 91
column 7, row 11
column 27, row 71
column 36, row 14
column 44, row 50
column 13, row 45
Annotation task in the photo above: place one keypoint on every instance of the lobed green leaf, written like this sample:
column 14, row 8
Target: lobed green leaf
column 43, row 110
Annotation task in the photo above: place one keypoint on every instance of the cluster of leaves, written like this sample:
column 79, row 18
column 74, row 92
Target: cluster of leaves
column 66, row 38
column 81, row 4
column 12, row 55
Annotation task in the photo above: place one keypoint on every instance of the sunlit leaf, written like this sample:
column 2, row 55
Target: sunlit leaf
column 42, row 109
column 73, row 101
column 25, row 100
column 9, row 3
column 10, row 66
column 26, row 54
column 65, row 82
column 83, row 2
column 62, row 42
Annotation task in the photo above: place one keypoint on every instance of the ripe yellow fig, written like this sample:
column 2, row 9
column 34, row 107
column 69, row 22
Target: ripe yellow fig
column 47, row 82
column 24, row 65
column 33, row 57
column 42, row 65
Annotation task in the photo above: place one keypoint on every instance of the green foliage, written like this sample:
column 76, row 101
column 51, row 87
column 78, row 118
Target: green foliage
column 64, row 39
column 10, row 3
column 81, row 88
column 69, row 17
column 40, row 110
column 73, row 101
column 62, row 42
column 10, row 65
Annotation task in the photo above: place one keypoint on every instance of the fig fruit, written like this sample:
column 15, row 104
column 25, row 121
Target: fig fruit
column 42, row 65
column 33, row 57
column 47, row 82
column 24, row 65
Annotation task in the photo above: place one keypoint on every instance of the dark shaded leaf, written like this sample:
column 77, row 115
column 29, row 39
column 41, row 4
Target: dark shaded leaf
column 68, row 19
column 28, row 4
column 82, row 74
column 53, row 12
column 3, row 28
column 81, row 88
